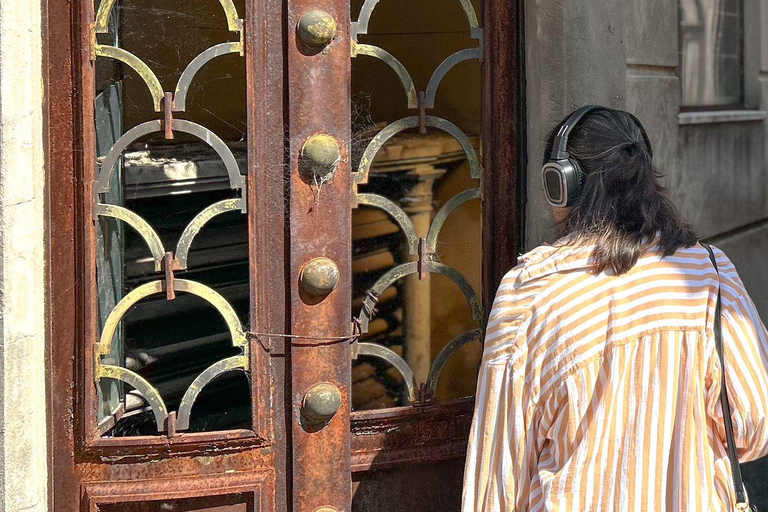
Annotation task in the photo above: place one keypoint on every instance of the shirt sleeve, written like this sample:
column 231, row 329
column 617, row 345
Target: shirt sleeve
column 745, row 348
column 500, row 454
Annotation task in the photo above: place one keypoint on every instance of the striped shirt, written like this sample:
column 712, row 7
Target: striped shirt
column 601, row 392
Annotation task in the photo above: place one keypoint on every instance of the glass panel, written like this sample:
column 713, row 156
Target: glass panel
column 417, row 276
column 711, row 52
column 110, row 234
column 172, row 231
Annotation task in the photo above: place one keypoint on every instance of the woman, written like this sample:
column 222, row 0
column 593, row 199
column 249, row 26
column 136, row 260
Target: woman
column 600, row 380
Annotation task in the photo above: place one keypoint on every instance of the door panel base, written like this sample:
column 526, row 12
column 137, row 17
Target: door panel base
column 426, row 488
column 241, row 492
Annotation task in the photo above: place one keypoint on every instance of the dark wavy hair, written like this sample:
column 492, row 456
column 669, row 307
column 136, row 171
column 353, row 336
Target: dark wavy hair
column 622, row 205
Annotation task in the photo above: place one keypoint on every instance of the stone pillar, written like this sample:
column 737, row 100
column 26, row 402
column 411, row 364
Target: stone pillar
column 417, row 294
column 23, row 439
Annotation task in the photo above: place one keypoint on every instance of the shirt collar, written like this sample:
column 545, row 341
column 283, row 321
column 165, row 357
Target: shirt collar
column 564, row 255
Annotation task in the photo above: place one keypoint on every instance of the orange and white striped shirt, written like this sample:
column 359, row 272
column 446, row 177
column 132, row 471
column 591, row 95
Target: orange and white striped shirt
column 601, row 392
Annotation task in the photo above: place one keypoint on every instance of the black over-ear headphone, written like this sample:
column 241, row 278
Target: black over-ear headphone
column 562, row 175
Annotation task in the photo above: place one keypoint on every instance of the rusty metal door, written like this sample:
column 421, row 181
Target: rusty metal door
column 212, row 296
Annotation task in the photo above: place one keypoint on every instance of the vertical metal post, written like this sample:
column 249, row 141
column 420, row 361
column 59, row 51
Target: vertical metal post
column 504, row 142
column 320, row 226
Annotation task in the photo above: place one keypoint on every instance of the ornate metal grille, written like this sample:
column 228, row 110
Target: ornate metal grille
column 423, row 248
column 167, row 262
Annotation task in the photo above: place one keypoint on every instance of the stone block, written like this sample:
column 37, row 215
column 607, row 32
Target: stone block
column 748, row 250
column 720, row 183
column 651, row 98
column 763, row 16
column 651, row 32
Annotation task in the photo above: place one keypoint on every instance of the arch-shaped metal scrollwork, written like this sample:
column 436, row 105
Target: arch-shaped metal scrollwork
column 402, row 219
column 150, row 78
column 361, row 25
column 185, row 80
column 391, row 61
column 149, row 392
column 168, row 261
column 138, row 65
column 200, row 220
column 140, row 384
column 424, row 248
column 236, row 180
column 375, row 350
column 152, row 239
column 445, row 354
column 445, row 212
column 141, row 226
column 206, row 293
column 361, row 176
column 400, row 271
column 211, row 373
column 442, row 70
column 234, row 24
column 382, row 352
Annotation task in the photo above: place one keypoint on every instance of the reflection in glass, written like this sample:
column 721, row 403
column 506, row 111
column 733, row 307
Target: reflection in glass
column 418, row 173
column 711, row 52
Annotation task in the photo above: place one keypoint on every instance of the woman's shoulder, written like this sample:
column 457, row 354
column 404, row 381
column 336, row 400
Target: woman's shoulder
column 731, row 284
column 547, row 259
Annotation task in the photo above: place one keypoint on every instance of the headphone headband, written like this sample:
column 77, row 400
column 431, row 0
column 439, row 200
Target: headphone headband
column 560, row 143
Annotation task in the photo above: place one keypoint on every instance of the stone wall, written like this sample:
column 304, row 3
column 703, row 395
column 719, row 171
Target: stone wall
column 23, row 454
column 625, row 55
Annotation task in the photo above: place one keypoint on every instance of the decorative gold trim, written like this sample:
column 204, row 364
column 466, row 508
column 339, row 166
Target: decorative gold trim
column 212, row 372
column 234, row 24
column 138, row 65
column 361, row 176
column 140, row 384
column 141, row 226
column 392, row 62
column 200, row 220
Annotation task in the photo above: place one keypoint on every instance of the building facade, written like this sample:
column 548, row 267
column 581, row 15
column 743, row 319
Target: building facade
column 693, row 71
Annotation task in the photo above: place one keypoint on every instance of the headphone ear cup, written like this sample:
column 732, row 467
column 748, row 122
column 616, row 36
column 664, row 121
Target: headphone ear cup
column 574, row 180
column 580, row 176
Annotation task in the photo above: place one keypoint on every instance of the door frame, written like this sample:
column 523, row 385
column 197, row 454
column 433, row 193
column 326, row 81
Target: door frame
column 72, row 449
column 503, row 207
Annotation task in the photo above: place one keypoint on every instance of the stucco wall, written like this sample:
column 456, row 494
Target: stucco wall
column 625, row 55
column 23, row 458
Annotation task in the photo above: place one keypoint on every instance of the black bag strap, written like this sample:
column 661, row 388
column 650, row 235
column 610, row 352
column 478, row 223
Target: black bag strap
column 742, row 503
